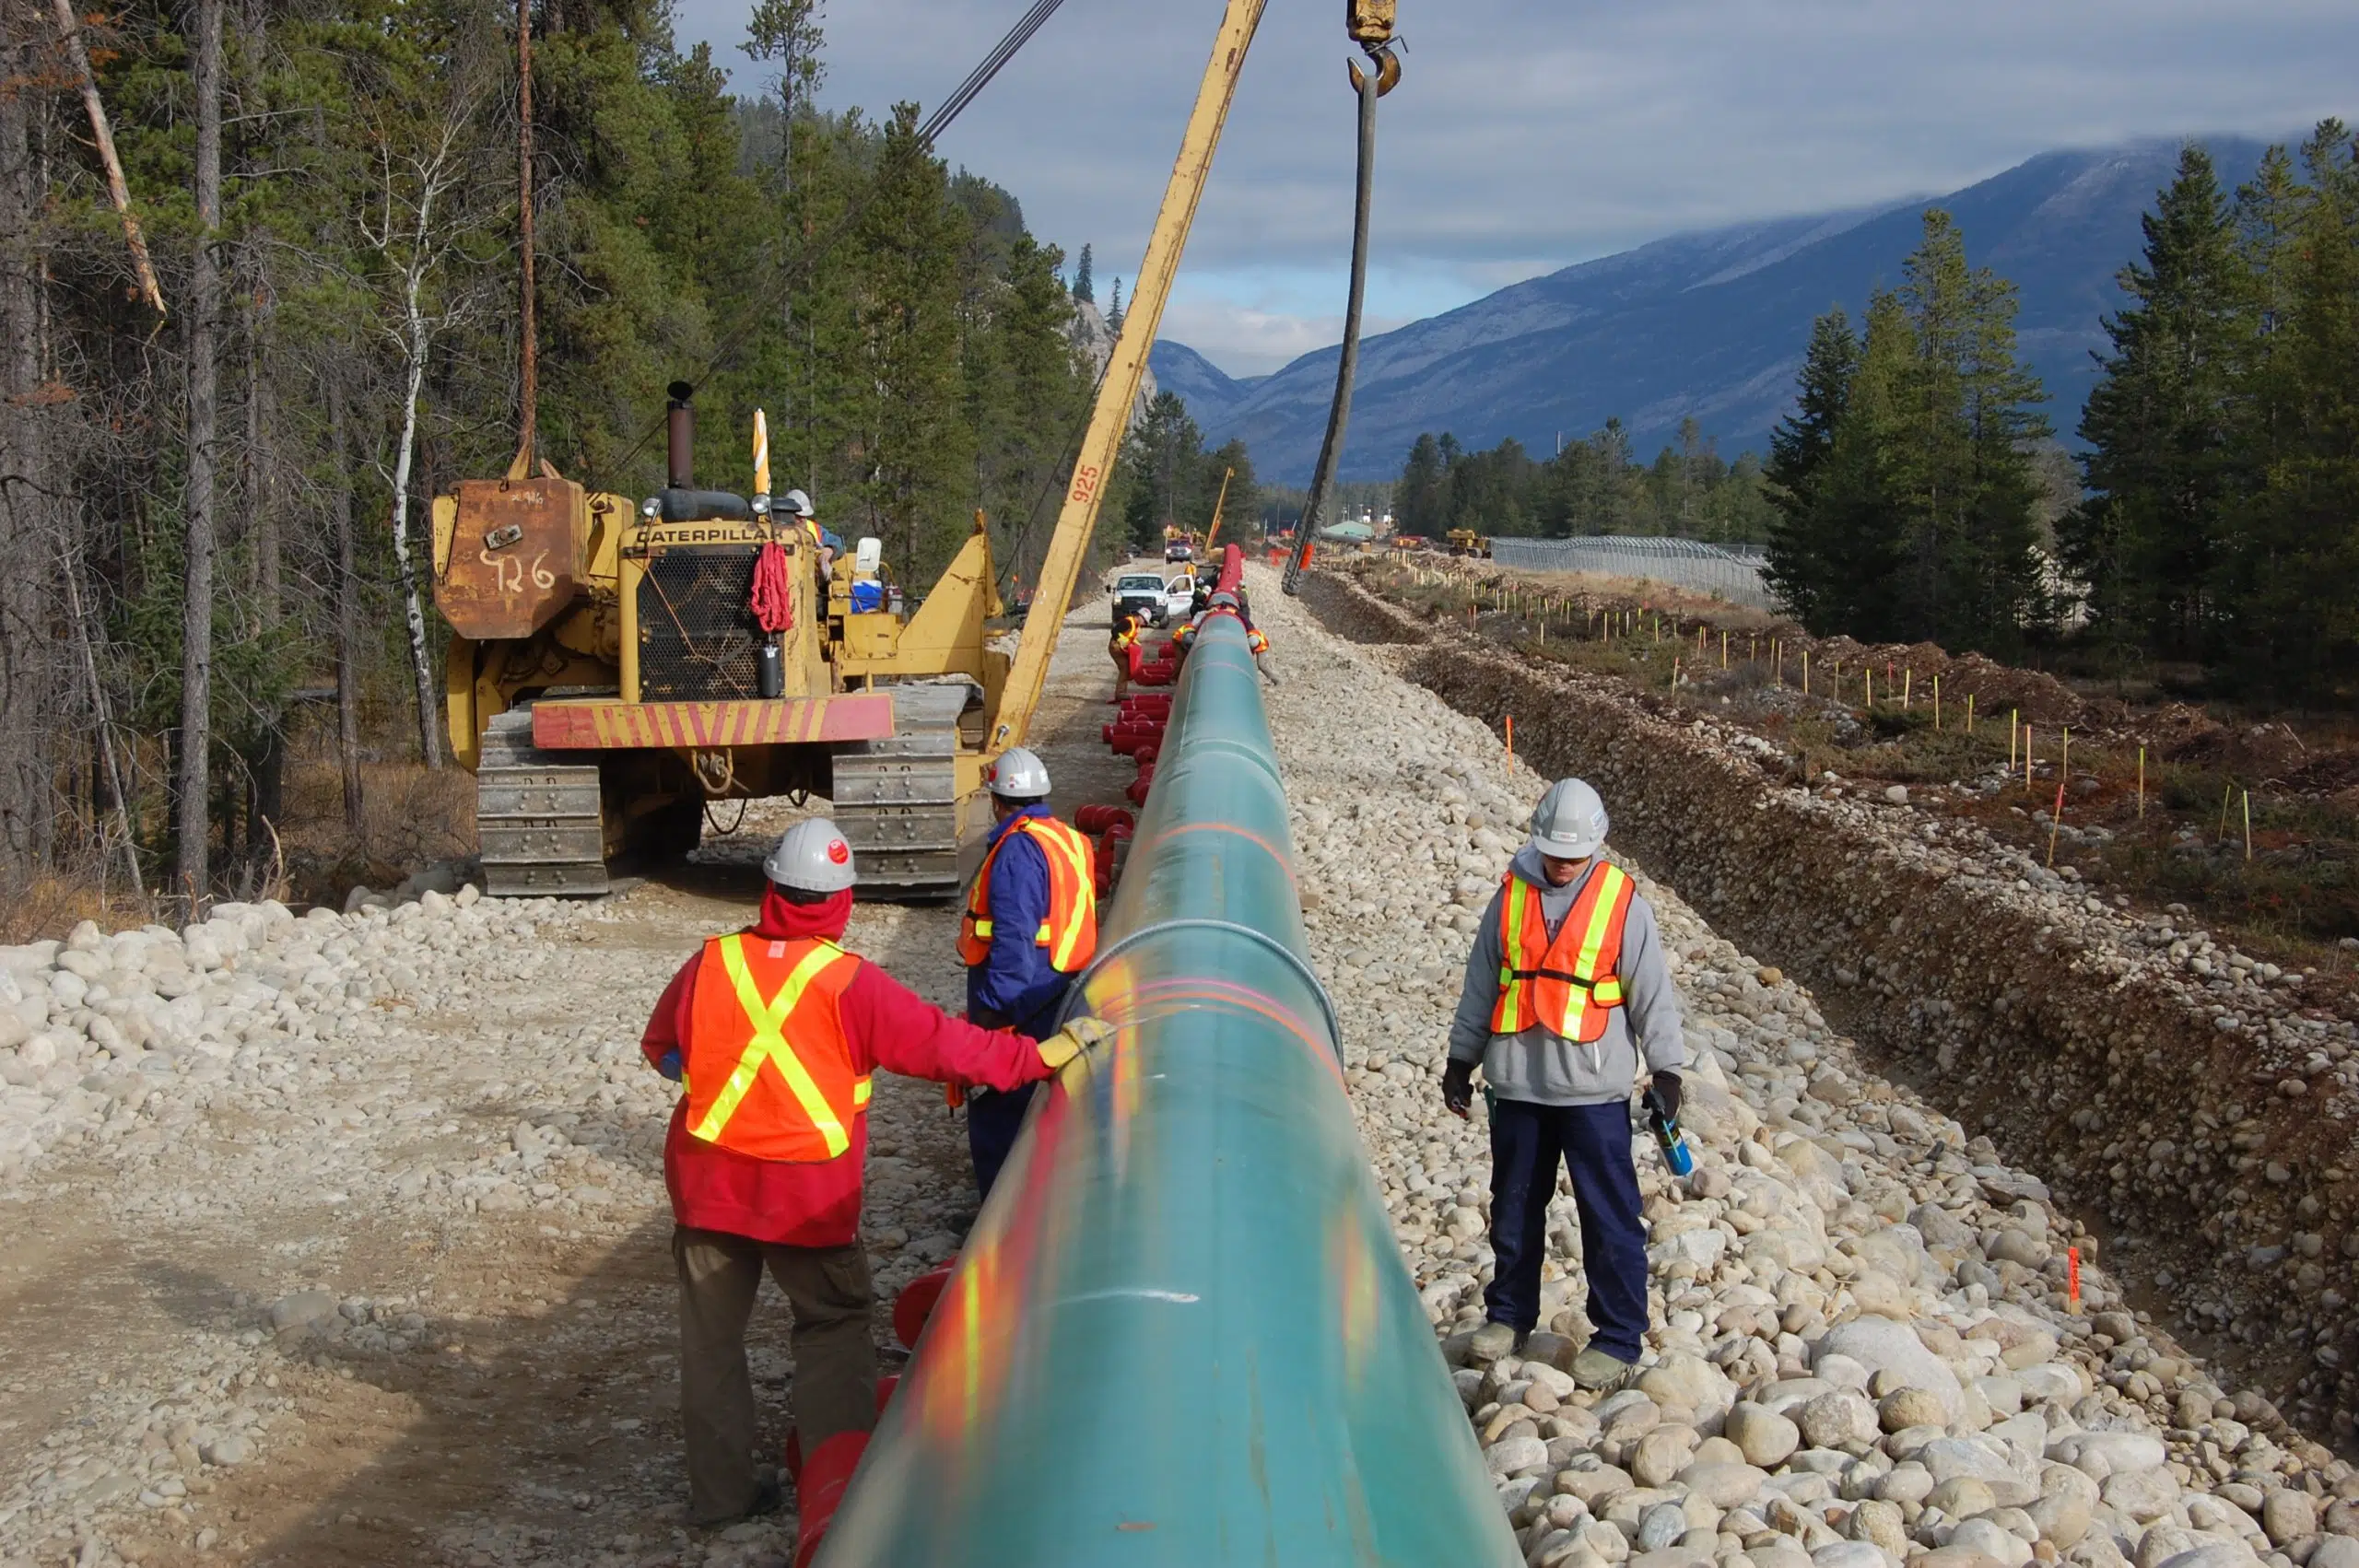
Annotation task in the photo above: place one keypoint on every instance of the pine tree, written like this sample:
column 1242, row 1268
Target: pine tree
column 1084, row 289
column 1164, row 456
column 1420, row 507
column 788, row 32
column 1955, row 464
column 1244, row 503
column 1114, row 312
column 2147, row 543
column 1856, row 538
column 1799, row 568
column 2295, row 549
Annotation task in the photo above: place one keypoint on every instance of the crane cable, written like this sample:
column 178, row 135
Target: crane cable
column 1370, row 84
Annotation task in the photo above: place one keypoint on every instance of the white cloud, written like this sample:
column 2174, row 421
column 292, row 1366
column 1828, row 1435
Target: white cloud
column 1531, row 133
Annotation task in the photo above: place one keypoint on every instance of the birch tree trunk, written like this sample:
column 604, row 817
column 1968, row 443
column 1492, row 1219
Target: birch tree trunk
column 195, row 818
column 429, row 703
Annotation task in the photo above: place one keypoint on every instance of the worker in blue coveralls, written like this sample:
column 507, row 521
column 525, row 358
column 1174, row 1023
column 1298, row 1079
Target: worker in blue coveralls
column 1030, row 925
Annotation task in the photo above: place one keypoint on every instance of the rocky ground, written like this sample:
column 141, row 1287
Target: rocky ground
column 1863, row 1351
column 341, row 1238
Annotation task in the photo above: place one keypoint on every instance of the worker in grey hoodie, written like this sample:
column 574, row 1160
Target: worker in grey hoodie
column 1567, row 1001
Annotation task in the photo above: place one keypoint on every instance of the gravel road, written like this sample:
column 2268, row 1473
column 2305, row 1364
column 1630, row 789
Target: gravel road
column 342, row 1239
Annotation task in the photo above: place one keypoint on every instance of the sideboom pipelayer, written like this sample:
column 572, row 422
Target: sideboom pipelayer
column 606, row 676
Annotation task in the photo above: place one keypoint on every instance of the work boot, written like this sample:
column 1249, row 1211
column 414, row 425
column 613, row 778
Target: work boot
column 1602, row 1374
column 768, row 1498
column 1491, row 1341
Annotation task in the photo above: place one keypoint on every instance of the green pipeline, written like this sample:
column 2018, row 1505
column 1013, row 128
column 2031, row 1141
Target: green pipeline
column 1181, row 1333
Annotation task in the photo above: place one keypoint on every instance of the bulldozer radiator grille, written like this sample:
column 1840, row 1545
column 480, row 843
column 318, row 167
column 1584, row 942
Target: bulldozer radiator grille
column 696, row 636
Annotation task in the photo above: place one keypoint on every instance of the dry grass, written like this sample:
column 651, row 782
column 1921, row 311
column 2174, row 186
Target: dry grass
column 56, row 904
column 410, row 818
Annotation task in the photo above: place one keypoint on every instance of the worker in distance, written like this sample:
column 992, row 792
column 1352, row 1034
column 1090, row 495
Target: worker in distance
column 772, row 1033
column 1567, row 1001
column 1030, row 926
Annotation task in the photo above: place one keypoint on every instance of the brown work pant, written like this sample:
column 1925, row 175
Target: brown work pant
column 835, row 1355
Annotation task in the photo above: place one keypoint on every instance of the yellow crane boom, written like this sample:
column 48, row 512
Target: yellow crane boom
column 1077, row 519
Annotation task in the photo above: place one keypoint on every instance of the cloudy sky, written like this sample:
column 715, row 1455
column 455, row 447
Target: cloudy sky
column 1529, row 134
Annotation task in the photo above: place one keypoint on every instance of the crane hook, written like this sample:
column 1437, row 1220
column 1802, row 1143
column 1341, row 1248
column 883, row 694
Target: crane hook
column 1388, row 70
column 1369, row 23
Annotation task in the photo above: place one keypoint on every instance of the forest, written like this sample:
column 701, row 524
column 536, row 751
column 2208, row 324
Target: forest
column 2211, row 536
column 232, row 379
column 1167, row 479
column 1595, row 486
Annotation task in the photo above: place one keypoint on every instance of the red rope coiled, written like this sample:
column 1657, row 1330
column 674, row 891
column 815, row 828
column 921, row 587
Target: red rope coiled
column 772, row 602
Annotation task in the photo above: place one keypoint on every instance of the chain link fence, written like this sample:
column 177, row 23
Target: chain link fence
column 1730, row 572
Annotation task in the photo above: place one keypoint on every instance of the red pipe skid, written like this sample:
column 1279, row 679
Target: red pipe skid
column 1095, row 820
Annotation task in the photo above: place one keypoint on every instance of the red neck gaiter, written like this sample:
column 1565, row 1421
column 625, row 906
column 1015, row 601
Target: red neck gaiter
column 784, row 921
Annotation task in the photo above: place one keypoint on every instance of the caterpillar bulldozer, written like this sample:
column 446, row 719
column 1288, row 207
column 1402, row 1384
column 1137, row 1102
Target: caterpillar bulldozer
column 608, row 676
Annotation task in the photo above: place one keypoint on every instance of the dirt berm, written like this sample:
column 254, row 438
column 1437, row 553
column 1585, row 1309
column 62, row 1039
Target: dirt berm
column 2196, row 1112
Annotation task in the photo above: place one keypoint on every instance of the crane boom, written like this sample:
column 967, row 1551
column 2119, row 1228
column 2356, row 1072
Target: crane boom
column 1110, row 420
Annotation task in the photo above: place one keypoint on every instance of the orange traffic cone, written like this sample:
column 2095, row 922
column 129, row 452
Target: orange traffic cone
column 821, row 1490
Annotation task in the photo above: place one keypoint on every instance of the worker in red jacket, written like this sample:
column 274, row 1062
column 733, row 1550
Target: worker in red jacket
column 772, row 1033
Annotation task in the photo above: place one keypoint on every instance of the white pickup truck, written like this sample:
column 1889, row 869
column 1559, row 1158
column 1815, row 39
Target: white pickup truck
column 1141, row 594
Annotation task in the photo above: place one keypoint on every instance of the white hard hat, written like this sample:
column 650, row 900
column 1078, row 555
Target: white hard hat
column 1569, row 822
column 1018, row 775
column 795, row 501
column 812, row 858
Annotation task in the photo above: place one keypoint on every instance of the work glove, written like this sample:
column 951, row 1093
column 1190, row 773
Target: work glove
column 669, row 1065
column 1666, row 1093
column 1458, row 1087
column 1072, row 1040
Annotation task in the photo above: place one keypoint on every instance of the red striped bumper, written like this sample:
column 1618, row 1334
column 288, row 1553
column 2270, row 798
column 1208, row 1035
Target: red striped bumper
column 595, row 725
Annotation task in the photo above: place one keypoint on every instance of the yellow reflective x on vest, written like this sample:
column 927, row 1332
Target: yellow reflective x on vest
column 770, row 1045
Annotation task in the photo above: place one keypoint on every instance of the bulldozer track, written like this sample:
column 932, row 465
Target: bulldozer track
column 536, row 816
column 896, row 799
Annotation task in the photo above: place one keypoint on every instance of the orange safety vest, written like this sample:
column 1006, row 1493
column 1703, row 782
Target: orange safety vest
column 1127, row 636
column 1070, row 931
column 1256, row 642
column 765, row 1066
column 1569, row 984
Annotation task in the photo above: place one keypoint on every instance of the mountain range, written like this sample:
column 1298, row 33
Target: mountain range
column 1709, row 324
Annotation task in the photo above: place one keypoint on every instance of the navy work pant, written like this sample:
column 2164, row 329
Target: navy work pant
column 993, row 1118
column 1594, row 1142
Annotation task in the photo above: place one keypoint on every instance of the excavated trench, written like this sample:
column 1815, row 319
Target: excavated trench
column 2212, row 1147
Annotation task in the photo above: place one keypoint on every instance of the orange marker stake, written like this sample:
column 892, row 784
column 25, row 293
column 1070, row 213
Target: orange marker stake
column 2073, row 1281
column 1510, row 743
